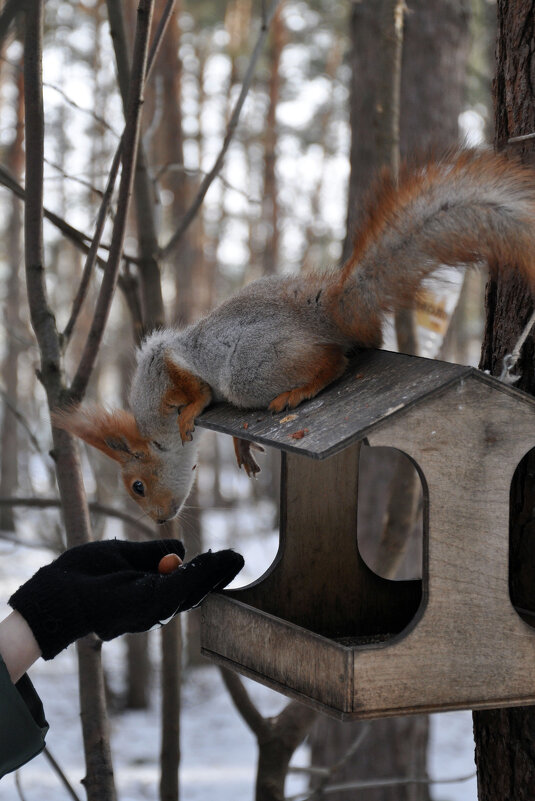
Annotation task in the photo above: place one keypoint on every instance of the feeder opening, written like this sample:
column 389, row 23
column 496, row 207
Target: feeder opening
column 522, row 539
column 319, row 580
column 390, row 521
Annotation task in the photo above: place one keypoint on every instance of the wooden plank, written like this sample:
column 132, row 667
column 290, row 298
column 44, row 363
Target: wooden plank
column 470, row 648
column 319, row 580
column 282, row 655
column 466, row 646
column 377, row 385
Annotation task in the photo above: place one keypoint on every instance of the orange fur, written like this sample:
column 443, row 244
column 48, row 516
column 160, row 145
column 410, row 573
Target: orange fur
column 187, row 393
column 329, row 363
column 114, row 433
column 500, row 234
column 292, row 333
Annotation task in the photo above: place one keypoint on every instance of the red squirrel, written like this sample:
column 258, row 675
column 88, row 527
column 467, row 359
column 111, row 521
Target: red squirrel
column 282, row 339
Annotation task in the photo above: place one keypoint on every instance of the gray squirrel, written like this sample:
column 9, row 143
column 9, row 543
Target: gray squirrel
column 282, row 339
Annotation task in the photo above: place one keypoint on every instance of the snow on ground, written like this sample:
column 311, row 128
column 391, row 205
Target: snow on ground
column 218, row 750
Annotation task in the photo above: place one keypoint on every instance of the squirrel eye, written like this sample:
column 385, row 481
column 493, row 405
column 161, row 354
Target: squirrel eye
column 139, row 488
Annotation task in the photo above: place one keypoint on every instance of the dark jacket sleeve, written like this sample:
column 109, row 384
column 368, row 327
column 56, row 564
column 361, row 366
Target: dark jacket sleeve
column 22, row 722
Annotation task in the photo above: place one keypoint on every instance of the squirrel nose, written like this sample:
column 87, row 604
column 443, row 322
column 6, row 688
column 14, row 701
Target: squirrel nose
column 172, row 512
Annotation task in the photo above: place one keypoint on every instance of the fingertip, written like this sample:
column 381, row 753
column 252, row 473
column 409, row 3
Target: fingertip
column 174, row 546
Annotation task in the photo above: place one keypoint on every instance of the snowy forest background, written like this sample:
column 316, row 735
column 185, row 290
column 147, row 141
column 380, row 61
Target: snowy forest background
column 285, row 199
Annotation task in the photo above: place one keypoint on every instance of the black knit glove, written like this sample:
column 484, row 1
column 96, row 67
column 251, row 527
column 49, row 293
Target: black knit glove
column 113, row 587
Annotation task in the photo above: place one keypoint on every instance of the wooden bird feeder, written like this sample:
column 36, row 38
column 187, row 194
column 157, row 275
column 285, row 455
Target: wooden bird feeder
column 320, row 625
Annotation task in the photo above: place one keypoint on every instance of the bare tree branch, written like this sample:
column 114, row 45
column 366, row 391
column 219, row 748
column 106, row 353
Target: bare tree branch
column 277, row 737
column 7, row 17
column 94, row 506
column 92, row 254
column 231, row 128
column 243, row 703
column 159, row 34
column 77, row 238
column 327, row 776
column 129, row 152
column 41, row 315
column 144, row 198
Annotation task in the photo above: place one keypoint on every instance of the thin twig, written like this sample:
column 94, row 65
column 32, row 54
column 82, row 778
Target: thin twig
column 64, row 780
column 64, row 95
column 143, row 194
column 11, row 405
column 75, row 178
column 92, row 254
column 158, row 36
column 5, row 536
column 94, row 506
column 336, row 766
column 522, row 138
column 372, row 783
column 74, row 104
column 75, row 237
column 175, row 166
column 18, row 785
column 78, row 238
column 129, row 153
column 191, row 213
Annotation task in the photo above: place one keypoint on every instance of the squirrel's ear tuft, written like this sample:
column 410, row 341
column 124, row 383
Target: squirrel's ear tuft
column 115, row 433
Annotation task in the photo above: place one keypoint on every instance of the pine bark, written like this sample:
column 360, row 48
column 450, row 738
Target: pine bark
column 505, row 738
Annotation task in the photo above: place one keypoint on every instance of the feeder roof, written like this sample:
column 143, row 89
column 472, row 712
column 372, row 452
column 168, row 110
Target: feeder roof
column 376, row 386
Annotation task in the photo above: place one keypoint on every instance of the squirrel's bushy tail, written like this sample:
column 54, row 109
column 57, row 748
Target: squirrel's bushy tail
column 469, row 208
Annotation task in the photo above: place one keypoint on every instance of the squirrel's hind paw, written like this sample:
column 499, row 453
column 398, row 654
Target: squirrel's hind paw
column 244, row 457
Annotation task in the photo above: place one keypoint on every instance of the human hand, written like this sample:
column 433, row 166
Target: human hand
column 113, row 587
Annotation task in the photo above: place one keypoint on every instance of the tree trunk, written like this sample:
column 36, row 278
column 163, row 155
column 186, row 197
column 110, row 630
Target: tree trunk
column 505, row 738
column 433, row 74
column 12, row 323
column 432, row 84
column 277, row 737
column 171, row 636
column 99, row 777
column 270, row 206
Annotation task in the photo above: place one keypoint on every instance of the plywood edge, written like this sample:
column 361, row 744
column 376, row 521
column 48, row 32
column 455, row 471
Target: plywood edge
column 277, row 652
column 288, row 692
column 470, row 703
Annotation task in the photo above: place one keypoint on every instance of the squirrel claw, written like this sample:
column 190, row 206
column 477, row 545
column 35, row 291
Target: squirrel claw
column 186, row 428
column 286, row 400
column 245, row 458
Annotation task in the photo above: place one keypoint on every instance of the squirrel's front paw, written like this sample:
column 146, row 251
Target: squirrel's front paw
column 186, row 424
